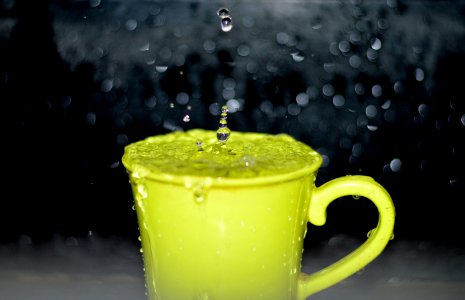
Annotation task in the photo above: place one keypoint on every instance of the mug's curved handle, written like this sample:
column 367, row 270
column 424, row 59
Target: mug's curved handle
column 322, row 196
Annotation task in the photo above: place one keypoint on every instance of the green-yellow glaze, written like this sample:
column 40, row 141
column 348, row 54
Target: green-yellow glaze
column 226, row 221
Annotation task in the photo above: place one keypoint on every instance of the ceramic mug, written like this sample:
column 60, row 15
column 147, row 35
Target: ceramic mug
column 224, row 221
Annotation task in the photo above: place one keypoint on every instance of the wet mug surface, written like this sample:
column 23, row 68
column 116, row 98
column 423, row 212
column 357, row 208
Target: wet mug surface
column 227, row 220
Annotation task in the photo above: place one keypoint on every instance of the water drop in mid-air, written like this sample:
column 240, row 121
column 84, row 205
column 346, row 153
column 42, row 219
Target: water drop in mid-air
column 226, row 24
column 223, row 131
column 223, row 12
column 226, row 20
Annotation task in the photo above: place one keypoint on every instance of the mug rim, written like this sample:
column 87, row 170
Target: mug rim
column 190, row 180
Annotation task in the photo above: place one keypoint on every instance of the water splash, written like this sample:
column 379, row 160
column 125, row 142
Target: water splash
column 223, row 133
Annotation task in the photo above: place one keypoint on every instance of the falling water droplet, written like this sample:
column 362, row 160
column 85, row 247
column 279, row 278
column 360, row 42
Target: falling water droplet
column 223, row 131
column 223, row 12
column 297, row 57
column 226, row 24
column 226, row 21
column 186, row 119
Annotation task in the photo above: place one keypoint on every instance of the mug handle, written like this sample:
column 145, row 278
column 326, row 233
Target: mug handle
column 322, row 196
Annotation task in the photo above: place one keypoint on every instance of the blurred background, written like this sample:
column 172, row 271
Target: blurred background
column 376, row 87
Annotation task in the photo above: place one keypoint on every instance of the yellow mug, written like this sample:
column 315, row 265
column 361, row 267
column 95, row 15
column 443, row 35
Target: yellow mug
column 227, row 220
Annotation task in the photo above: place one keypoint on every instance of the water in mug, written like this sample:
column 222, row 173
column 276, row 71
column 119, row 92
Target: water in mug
column 198, row 152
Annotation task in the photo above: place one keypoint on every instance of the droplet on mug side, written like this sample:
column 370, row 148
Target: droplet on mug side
column 199, row 192
column 141, row 193
column 371, row 232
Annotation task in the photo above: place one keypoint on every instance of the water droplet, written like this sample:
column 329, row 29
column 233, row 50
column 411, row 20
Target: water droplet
column 339, row 100
column 141, row 250
column 141, row 192
column 199, row 145
column 243, row 50
column 139, row 238
column 226, row 21
column 419, row 74
column 223, row 131
column 297, row 57
column 453, row 181
column 395, row 164
column 223, row 12
column 199, row 196
column 376, row 44
column 371, row 111
column 356, row 197
column 302, row 99
column 328, row 90
column 182, row 98
column 423, row 110
column 94, row 3
column 223, row 134
column 186, row 118
column 359, row 88
column 133, row 207
column 199, row 192
column 386, row 104
column 161, row 69
column 131, row 24
column 371, row 232
column 344, row 46
column 355, row 61
column 376, row 91
column 226, row 24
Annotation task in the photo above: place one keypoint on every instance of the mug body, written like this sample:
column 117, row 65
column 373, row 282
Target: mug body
column 207, row 240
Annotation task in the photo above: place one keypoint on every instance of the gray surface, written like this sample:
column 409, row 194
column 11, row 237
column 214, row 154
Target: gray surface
column 96, row 268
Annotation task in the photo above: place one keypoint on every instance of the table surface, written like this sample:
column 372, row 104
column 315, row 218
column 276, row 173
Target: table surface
column 111, row 268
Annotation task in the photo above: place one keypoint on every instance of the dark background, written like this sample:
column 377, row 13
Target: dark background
column 375, row 86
